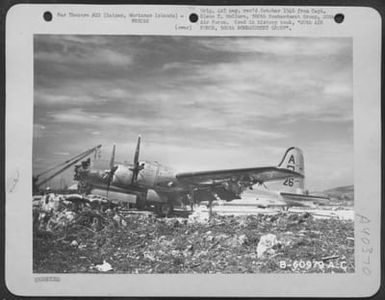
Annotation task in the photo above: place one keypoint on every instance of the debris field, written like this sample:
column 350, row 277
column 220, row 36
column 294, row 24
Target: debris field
column 113, row 241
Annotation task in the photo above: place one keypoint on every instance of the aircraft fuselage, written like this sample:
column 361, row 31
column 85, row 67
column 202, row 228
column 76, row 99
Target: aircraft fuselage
column 158, row 178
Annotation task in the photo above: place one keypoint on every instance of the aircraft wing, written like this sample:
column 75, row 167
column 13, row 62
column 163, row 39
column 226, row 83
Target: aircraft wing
column 247, row 175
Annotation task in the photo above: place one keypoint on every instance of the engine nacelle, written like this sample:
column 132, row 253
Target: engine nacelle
column 154, row 196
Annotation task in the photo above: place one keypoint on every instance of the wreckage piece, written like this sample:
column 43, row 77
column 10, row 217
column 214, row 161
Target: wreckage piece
column 92, row 220
column 78, row 201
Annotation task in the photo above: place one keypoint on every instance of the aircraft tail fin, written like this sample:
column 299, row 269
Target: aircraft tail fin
column 293, row 160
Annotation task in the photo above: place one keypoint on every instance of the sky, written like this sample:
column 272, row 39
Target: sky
column 199, row 103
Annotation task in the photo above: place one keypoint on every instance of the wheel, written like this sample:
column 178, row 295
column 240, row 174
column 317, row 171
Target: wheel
column 140, row 205
column 141, row 201
column 164, row 209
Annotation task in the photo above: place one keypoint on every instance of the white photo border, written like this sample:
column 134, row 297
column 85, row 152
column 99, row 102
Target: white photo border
column 361, row 23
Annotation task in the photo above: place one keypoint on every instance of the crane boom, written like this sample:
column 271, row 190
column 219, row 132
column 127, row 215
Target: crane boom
column 67, row 164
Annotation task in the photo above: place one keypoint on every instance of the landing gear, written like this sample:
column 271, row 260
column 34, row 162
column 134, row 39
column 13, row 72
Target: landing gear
column 191, row 201
column 140, row 205
column 210, row 208
column 141, row 201
column 164, row 209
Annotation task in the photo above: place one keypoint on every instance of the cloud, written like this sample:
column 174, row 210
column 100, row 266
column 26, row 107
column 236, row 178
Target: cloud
column 280, row 46
column 194, row 98
column 342, row 89
column 95, row 57
column 52, row 97
column 305, row 83
column 276, row 86
column 73, row 116
column 329, row 164
column 38, row 130
column 80, row 117
column 61, row 153
column 71, row 50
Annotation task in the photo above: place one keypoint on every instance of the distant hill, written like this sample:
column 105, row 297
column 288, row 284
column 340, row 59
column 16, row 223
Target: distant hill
column 343, row 195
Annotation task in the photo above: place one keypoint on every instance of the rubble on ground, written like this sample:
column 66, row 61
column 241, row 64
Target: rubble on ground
column 267, row 245
column 86, row 239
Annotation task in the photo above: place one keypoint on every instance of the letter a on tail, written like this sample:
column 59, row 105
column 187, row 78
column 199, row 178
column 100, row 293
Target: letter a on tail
column 293, row 160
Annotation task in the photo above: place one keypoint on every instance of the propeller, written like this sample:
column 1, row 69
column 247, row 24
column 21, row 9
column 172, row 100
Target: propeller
column 112, row 159
column 136, row 168
column 113, row 168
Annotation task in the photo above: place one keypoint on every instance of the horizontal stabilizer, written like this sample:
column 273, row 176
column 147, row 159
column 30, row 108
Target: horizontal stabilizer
column 301, row 199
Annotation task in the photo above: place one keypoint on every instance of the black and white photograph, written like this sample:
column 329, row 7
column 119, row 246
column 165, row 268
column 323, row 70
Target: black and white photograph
column 192, row 154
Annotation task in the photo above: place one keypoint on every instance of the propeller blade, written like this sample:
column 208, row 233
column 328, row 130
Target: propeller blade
column 110, row 177
column 136, row 168
column 136, row 157
column 112, row 170
column 108, row 188
column 112, row 160
column 135, row 172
